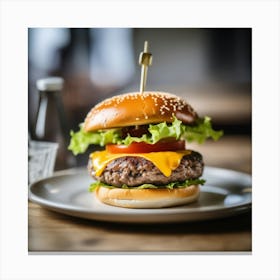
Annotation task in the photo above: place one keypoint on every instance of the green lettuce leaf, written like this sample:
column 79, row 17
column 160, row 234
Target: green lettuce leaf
column 164, row 130
column 199, row 132
column 170, row 186
column 81, row 140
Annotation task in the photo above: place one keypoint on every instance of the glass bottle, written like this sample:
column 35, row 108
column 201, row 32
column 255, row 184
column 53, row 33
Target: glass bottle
column 51, row 122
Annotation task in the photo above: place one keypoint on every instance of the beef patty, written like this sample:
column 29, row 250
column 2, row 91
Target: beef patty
column 135, row 171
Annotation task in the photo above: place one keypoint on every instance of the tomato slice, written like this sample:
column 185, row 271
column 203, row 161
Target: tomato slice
column 143, row 147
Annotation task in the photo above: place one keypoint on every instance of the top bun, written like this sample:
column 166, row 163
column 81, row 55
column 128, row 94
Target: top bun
column 138, row 109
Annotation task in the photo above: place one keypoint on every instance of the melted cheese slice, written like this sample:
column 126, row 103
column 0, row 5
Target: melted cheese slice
column 164, row 161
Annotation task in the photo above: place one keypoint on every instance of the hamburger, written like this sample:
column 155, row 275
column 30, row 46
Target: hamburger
column 145, row 163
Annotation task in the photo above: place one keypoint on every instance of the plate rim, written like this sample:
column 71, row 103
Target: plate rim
column 97, row 213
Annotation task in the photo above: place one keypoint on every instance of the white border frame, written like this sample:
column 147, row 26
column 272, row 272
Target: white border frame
column 17, row 16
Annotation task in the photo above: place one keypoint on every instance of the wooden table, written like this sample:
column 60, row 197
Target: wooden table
column 50, row 231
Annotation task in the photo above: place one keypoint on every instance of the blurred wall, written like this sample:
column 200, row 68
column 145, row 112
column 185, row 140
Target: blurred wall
column 197, row 56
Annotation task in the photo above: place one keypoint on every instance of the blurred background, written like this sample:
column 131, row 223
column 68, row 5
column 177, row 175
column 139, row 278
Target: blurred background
column 210, row 68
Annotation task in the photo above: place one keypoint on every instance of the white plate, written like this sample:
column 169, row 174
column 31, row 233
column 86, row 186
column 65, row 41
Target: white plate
column 225, row 193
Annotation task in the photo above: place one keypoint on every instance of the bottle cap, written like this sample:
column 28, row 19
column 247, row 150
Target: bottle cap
column 50, row 84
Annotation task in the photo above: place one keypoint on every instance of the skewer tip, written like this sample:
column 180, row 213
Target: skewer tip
column 146, row 45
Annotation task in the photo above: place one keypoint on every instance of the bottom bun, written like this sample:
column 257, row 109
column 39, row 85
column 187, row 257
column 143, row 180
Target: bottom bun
column 147, row 198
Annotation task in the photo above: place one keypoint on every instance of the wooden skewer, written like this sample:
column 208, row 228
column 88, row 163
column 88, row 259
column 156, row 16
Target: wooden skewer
column 145, row 60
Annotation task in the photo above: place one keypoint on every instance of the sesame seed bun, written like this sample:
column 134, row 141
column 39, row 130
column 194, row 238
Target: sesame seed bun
column 147, row 198
column 138, row 109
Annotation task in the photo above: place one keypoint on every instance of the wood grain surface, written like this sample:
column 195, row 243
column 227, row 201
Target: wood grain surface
column 53, row 232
